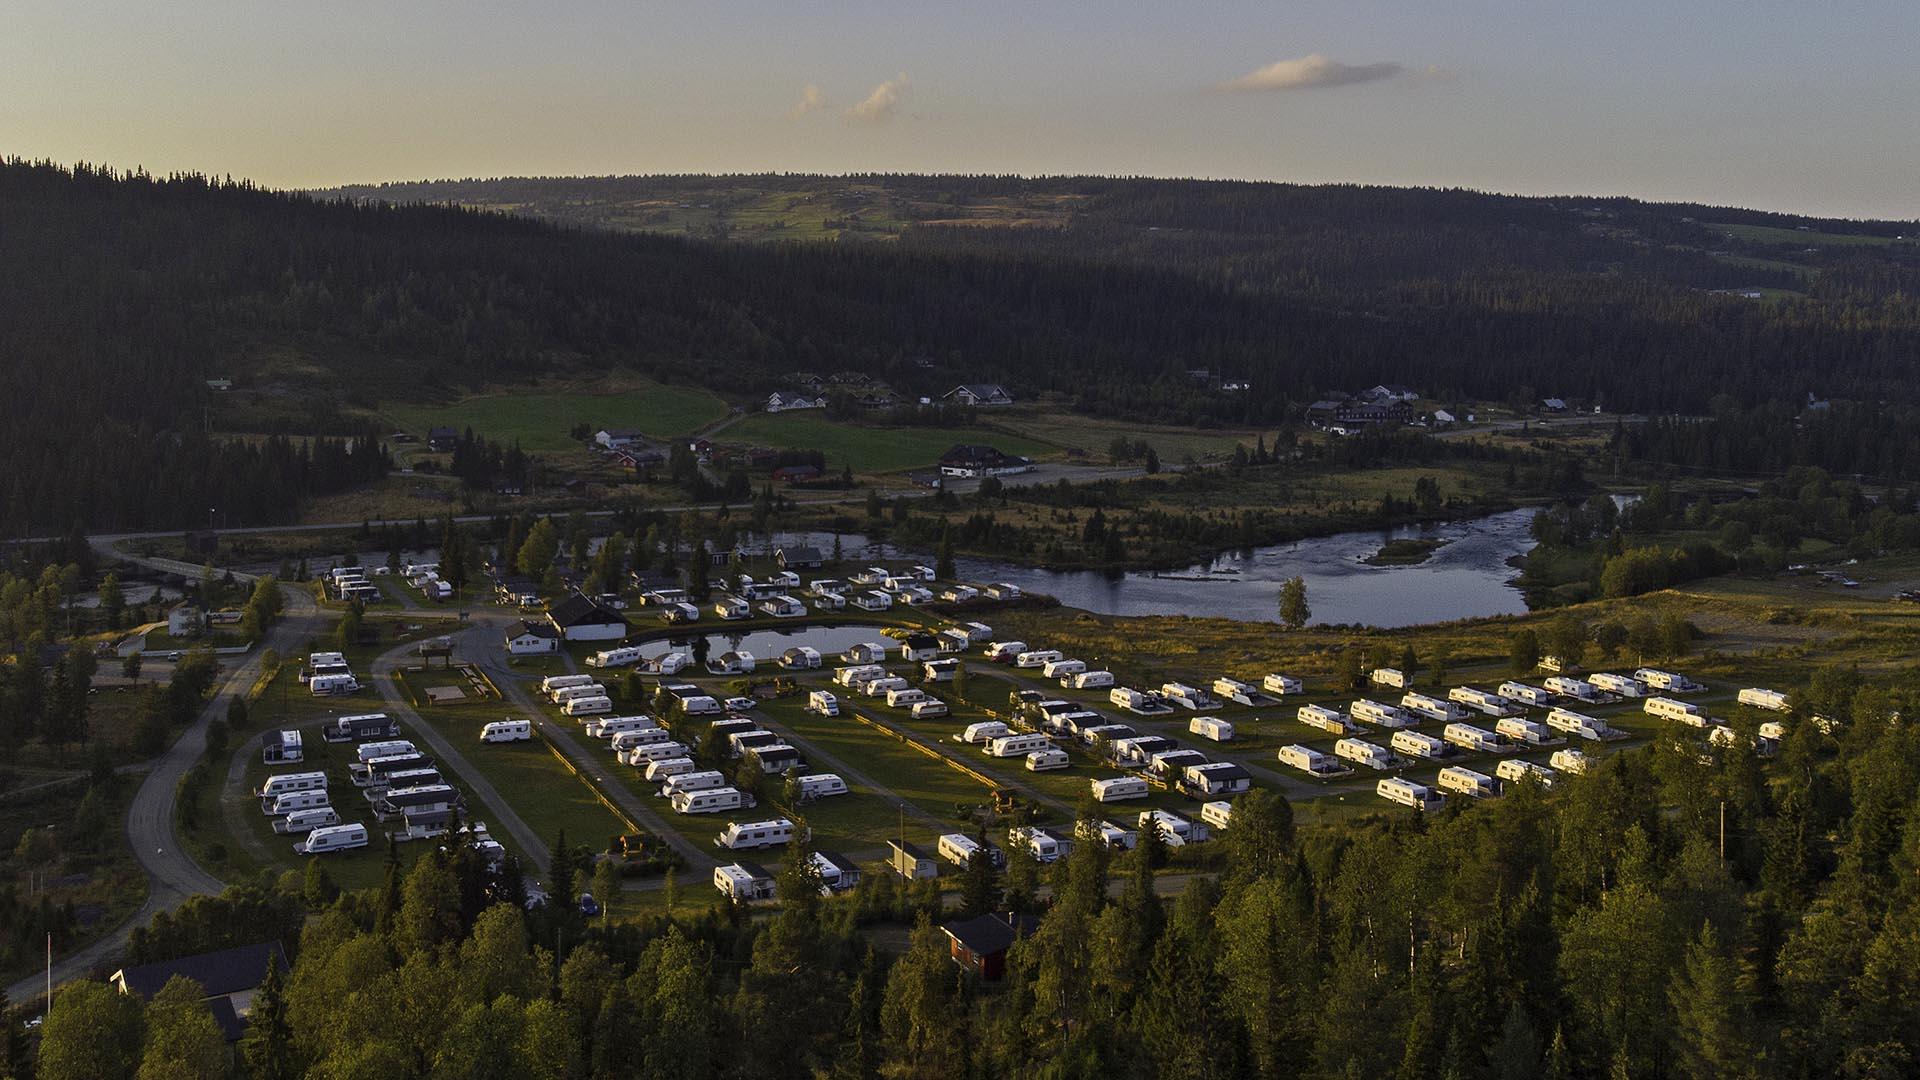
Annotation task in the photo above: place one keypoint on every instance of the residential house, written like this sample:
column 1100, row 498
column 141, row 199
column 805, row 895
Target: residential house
column 979, row 945
column 527, row 638
column 443, row 438
column 799, row 558
column 978, row 394
column 229, row 977
column 616, row 438
column 579, row 618
column 779, row 402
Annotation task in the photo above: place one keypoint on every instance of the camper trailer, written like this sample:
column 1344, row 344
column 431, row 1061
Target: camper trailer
column 1572, row 762
column 575, row 693
column 1432, row 708
column 660, row 770
column 710, row 800
column 610, row 726
column 361, row 728
column 282, row 805
column 1093, row 733
column 1569, row 687
column 983, row 732
column 639, row 736
column 929, row 709
column 1063, row 669
column 775, row 758
column 800, row 658
column 1037, row 658
column 1325, row 719
column 553, row 683
column 1360, row 751
column 332, row 838
column 692, row 781
column 1172, row 763
column 856, row 674
column 1310, row 761
column 1367, row 711
column 1667, row 681
column 286, row 783
column 1623, row 685
column 1212, row 728
column 1107, row 834
column 1235, row 691
column 1772, row 700
column 647, row 753
column 1046, row 846
column 283, row 748
column 1217, row 814
column 620, row 657
column 305, row 821
column 903, row 696
column 1417, row 744
column 1176, row 829
column 1047, row 760
column 1523, row 694
column 1005, row 652
column 1573, row 723
column 1017, row 745
column 823, row 702
column 1472, row 739
column 1187, row 697
column 1524, row 732
column 322, row 685
column 958, row 849
column 376, row 771
column 1119, row 788
column 1480, row 700
column 1516, row 771
column 880, row 688
column 588, row 706
column 1388, row 677
column 507, row 731
column 743, row 882
column 837, row 872
column 1455, row 780
column 1683, row 712
column 1282, row 685
column 1090, row 680
column 820, row 786
column 744, row 836
column 739, row 742
column 368, row 751
column 1406, row 793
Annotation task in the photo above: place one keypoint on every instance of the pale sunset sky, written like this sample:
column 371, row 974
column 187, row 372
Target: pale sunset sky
column 1782, row 105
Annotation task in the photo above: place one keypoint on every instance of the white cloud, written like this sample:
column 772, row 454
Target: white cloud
column 1311, row 71
column 812, row 99
column 883, row 102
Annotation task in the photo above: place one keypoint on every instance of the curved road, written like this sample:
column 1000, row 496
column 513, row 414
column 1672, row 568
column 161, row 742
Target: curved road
column 172, row 875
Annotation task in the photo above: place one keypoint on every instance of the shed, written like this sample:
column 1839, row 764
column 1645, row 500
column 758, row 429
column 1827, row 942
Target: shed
column 980, row 944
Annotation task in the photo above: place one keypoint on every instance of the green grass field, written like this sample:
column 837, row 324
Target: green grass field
column 539, row 421
column 1094, row 435
column 1767, row 234
column 868, row 450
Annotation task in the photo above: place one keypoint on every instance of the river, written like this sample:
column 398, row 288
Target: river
column 1466, row 578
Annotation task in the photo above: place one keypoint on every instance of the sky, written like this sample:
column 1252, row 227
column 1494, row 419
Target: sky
column 1795, row 106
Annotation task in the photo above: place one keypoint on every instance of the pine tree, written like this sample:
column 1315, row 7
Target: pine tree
column 980, row 891
column 1711, row 1023
column 267, row 1046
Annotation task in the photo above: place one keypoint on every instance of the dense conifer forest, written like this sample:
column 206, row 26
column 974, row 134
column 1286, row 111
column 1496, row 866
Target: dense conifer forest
column 121, row 294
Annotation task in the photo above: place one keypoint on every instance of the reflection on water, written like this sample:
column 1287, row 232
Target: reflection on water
column 1466, row 578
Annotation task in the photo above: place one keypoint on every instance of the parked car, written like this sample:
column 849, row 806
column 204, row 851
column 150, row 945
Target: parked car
column 741, row 704
column 588, row 905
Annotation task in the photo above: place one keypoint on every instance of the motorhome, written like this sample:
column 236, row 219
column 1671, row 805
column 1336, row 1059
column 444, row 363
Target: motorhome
column 1569, row 687
column 284, row 783
column 1525, row 732
column 1455, row 780
column 1367, row 711
column 1017, row 745
column 1417, row 744
column 983, row 732
column 1480, row 700
column 332, row 838
column 297, row 822
column 1176, row 829
column 748, row 835
column 588, row 706
column 1569, row 761
column 819, row 786
column 620, row 657
column 1118, row 788
column 1523, row 694
column 1090, row 680
column 1003, row 652
column 1470, row 738
column 1037, row 658
column 1047, row 760
column 1667, row 681
column 743, row 882
column 506, row 731
column 1432, row 708
column 1325, row 719
column 659, row 771
column 323, row 685
column 692, row 781
column 1212, row 728
column 1063, row 669
column 1758, row 698
column 1360, row 751
column 1282, row 685
column 710, row 800
column 282, row 805
column 823, row 702
column 1234, row 690
column 1406, row 793
column 575, row 693
column 1045, row 845
column 1516, row 771
column 1187, row 697
column 1573, row 723
column 1310, row 761
column 1388, row 677
column 1684, row 712
column 1217, row 814
column 1623, row 685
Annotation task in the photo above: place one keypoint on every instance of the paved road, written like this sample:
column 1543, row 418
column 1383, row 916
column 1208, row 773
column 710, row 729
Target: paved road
column 172, row 875
column 499, row 810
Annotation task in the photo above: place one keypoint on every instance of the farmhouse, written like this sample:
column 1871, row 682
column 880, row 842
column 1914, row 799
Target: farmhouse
column 978, row 394
column 526, row 638
column 779, row 402
column 616, row 438
column 579, row 618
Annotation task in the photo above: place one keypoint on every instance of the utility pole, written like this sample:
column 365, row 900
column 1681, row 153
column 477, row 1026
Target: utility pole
column 1723, row 830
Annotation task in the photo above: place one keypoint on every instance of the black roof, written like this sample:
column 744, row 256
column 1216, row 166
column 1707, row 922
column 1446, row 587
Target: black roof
column 755, row 869
column 1227, row 770
column 984, row 935
column 907, row 849
column 537, row 629
column 838, row 861
column 922, row 641
column 579, row 610
column 228, row 971
column 800, row 553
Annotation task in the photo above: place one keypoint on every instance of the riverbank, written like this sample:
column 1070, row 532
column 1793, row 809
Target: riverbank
column 1408, row 552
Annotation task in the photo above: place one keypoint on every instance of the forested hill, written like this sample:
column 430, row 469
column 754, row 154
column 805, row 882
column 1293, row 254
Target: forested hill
column 120, row 295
